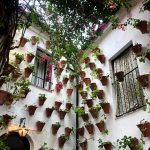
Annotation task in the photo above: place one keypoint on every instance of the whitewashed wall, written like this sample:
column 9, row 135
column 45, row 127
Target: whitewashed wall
column 46, row 135
column 113, row 42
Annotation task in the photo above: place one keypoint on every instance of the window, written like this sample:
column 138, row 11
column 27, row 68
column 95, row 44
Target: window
column 126, row 101
column 41, row 69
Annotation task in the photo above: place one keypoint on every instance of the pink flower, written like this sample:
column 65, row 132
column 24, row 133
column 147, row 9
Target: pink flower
column 110, row 3
column 37, row 107
column 83, row 61
column 43, row 57
column 90, row 51
column 102, row 26
column 57, row 17
column 84, row 26
column 112, row 6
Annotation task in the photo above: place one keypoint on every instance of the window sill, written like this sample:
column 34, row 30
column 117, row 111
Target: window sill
column 42, row 88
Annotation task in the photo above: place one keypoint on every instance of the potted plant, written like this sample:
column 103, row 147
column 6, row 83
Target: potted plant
column 7, row 119
column 101, row 58
column 62, row 113
column 79, row 84
column 83, row 94
column 29, row 70
column 62, row 139
column 44, row 147
column 36, row 39
column 63, row 63
column 40, row 125
column 83, row 144
column 49, row 111
column 68, row 105
column 55, row 127
column 59, row 86
column 145, row 6
column 93, row 86
column 65, row 79
column 69, row 130
column 19, row 57
column 4, row 95
column 30, row 108
column 89, row 127
column 96, row 93
column 120, row 76
column 82, row 74
column 48, row 44
column 88, row 87
column 87, row 60
column 81, row 131
column 107, row 144
column 92, row 65
column 30, row 56
column 42, row 98
column 94, row 111
column 87, row 81
column 137, row 48
column 100, row 124
column 57, row 104
column 103, row 80
column 69, row 91
column 15, row 75
column 105, row 106
column 23, row 41
column 71, row 77
column 89, row 102
column 143, row 79
column 96, row 73
column 145, row 55
column 8, row 70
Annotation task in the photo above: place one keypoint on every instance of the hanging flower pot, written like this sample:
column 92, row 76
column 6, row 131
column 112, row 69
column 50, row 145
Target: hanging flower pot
column 148, row 56
column 120, row 76
column 92, row 65
column 93, row 113
column 67, row 131
column 99, row 72
column 100, row 94
column 7, row 119
column 89, row 102
column 23, row 42
column 48, row 44
column 87, row 60
column 85, row 117
column 61, row 142
column 107, row 146
column 25, row 93
column 30, row 57
column 80, row 86
column 33, row 40
column 87, row 81
column 62, row 114
column 84, row 94
column 82, row 74
column 93, row 86
column 28, row 72
column 4, row 96
column 63, row 63
column 41, row 101
column 134, row 144
column 49, row 112
column 68, row 106
column 59, row 71
column 100, row 126
column 15, row 75
column 65, row 80
column 81, row 131
column 104, row 80
column 143, row 79
column 8, row 70
column 32, row 110
column 59, row 86
column 137, row 49
column 101, row 58
column 106, row 107
column 84, row 145
column 54, row 129
column 40, row 125
column 142, row 26
column 1, row 82
column 71, row 78
column 57, row 105
column 9, row 100
column 18, row 61
column 69, row 91
column 147, row 7
column 90, row 128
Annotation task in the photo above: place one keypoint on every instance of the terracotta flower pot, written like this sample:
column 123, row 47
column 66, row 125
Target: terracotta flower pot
column 61, row 142
column 4, row 96
column 59, row 71
column 100, row 126
column 65, row 80
column 25, row 93
column 57, row 105
column 100, row 94
column 28, row 72
column 48, row 44
column 148, row 56
column 106, row 107
column 69, row 91
column 80, row 87
column 16, row 75
column 137, row 49
column 23, row 42
column 33, row 40
column 81, row 131
column 85, row 117
column 8, row 70
column 93, row 86
column 134, row 143
column 120, row 76
column 18, row 61
column 63, row 63
column 87, row 60
column 49, row 112
column 68, row 106
column 90, row 128
column 89, row 102
column 99, row 72
column 40, row 126
column 142, row 26
column 84, row 94
column 104, row 80
column 84, row 145
column 30, row 57
column 71, row 78
column 62, row 114
column 32, row 110
column 9, row 100
column 101, row 58
column 87, row 81
column 107, row 146
column 93, row 111
column 147, row 7
column 143, row 79
column 7, row 119
column 41, row 101
column 54, row 129
column 82, row 74
column 1, row 82
column 91, row 65
column 67, row 131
